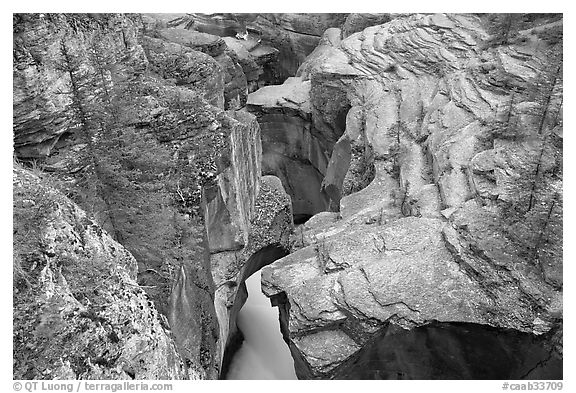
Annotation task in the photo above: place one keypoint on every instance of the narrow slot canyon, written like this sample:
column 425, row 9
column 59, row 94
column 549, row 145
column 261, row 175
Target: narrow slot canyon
column 300, row 155
column 263, row 354
column 256, row 348
column 288, row 197
column 298, row 137
column 284, row 155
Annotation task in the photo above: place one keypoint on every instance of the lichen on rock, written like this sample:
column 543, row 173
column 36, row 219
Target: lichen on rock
column 78, row 311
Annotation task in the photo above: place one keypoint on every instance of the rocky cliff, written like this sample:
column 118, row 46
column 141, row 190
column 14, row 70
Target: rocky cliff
column 137, row 134
column 78, row 311
column 420, row 157
column 268, row 47
column 446, row 236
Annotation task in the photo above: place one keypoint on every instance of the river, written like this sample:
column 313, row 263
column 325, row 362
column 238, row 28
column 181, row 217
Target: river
column 263, row 354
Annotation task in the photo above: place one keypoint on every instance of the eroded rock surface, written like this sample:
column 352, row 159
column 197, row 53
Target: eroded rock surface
column 142, row 171
column 432, row 172
column 41, row 112
column 78, row 311
column 434, row 235
column 270, row 47
column 267, row 238
column 187, row 67
column 235, row 84
column 290, row 148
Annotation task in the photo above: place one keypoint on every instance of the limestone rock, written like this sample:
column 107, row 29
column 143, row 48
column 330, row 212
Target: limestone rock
column 181, row 147
column 426, row 242
column 187, row 67
column 78, row 311
column 229, row 203
column 290, row 150
column 294, row 35
column 254, row 57
column 41, row 111
column 440, row 226
column 358, row 22
column 234, row 79
column 163, row 20
column 256, row 60
column 269, row 231
column 207, row 43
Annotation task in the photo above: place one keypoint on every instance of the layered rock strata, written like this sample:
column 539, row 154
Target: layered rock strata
column 167, row 100
column 428, row 239
column 40, row 109
column 441, row 192
column 270, row 46
column 176, row 179
column 235, row 84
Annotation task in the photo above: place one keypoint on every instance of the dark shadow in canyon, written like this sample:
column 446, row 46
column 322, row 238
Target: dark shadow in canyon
column 440, row 351
column 298, row 159
column 454, row 351
column 299, row 155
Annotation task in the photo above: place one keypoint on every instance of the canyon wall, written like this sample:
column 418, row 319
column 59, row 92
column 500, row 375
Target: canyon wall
column 132, row 127
column 78, row 311
column 421, row 156
column 447, row 234
column 128, row 116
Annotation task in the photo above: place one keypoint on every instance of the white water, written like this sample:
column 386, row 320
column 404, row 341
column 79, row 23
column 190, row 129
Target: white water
column 263, row 354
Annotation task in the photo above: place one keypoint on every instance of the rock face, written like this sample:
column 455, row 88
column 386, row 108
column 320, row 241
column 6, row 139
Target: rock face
column 426, row 155
column 270, row 47
column 186, row 67
column 358, row 22
column 439, row 243
column 169, row 174
column 265, row 238
column 235, row 82
column 78, row 311
column 40, row 111
column 294, row 35
column 292, row 149
column 142, row 175
column 239, row 49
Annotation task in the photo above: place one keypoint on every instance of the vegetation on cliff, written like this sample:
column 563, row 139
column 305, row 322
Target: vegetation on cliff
column 435, row 140
column 78, row 312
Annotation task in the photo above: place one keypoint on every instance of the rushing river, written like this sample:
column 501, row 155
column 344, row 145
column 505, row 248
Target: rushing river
column 263, row 354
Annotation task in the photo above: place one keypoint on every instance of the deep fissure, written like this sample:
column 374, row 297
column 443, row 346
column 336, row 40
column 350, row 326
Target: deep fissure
column 377, row 291
column 299, row 156
column 236, row 337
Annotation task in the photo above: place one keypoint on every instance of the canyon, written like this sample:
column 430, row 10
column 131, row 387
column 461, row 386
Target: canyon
column 396, row 179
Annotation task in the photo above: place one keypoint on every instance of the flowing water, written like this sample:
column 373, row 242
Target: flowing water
column 263, row 354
